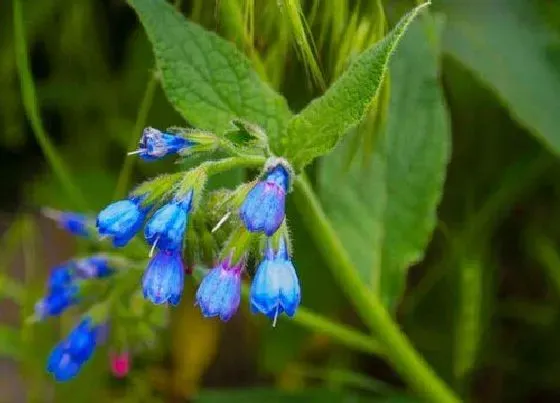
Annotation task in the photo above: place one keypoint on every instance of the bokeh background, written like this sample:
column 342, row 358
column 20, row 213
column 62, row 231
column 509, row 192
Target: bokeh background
column 482, row 306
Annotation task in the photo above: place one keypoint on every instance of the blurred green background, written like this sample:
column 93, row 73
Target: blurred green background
column 483, row 304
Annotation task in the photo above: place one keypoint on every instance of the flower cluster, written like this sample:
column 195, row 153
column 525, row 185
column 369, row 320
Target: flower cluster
column 275, row 289
column 163, row 207
column 164, row 231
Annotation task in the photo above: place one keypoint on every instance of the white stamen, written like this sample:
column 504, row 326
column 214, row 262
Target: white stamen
column 135, row 152
column 153, row 248
column 275, row 316
column 221, row 222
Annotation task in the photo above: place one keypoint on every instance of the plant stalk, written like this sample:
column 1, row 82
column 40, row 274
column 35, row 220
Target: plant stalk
column 398, row 349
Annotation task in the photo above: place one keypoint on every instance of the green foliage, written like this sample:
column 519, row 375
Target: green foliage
column 294, row 15
column 510, row 50
column 207, row 80
column 385, row 209
column 317, row 128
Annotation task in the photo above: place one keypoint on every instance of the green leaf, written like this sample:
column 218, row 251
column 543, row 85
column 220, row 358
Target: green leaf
column 204, row 76
column 321, row 124
column 384, row 209
column 509, row 50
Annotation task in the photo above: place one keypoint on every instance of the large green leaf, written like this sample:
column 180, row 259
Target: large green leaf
column 320, row 125
column 385, row 209
column 204, row 76
column 509, row 49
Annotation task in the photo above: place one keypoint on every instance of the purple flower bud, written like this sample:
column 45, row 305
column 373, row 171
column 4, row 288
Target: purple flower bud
column 219, row 292
column 166, row 228
column 263, row 209
column 164, row 278
column 155, row 144
column 121, row 220
column 275, row 288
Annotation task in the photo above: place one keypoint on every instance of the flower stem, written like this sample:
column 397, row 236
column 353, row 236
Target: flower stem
column 227, row 164
column 31, row 107
column 338, row 332
column 398, row 349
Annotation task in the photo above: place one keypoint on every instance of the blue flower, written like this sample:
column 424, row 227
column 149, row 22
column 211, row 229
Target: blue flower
column 69, row 355
column 75, row 223
column 166, row 228
column 164, row 278
column 61, row 364
column 121, row 220
column 62, row 290
column 263, row 209
column 56, row 302
column 93, row 267
column 155, row 144
column 60, row 277
column 81, row 342
column 275, row 288
column 219, row 292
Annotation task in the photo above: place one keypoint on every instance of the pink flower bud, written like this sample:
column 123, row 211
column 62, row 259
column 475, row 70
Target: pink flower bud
column 120, row 364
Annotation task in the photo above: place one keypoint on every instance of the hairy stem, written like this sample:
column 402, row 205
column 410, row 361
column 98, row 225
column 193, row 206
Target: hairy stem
column 336, row 331
column 227, row 164
column 339, row 333
column 398, row 349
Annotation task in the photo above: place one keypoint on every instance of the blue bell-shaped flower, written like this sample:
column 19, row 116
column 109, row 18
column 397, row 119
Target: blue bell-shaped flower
column 219, row 293
column 275, row 288
column 263, row 209
column 166, row 229
column 164, row 278
column 121, row 220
